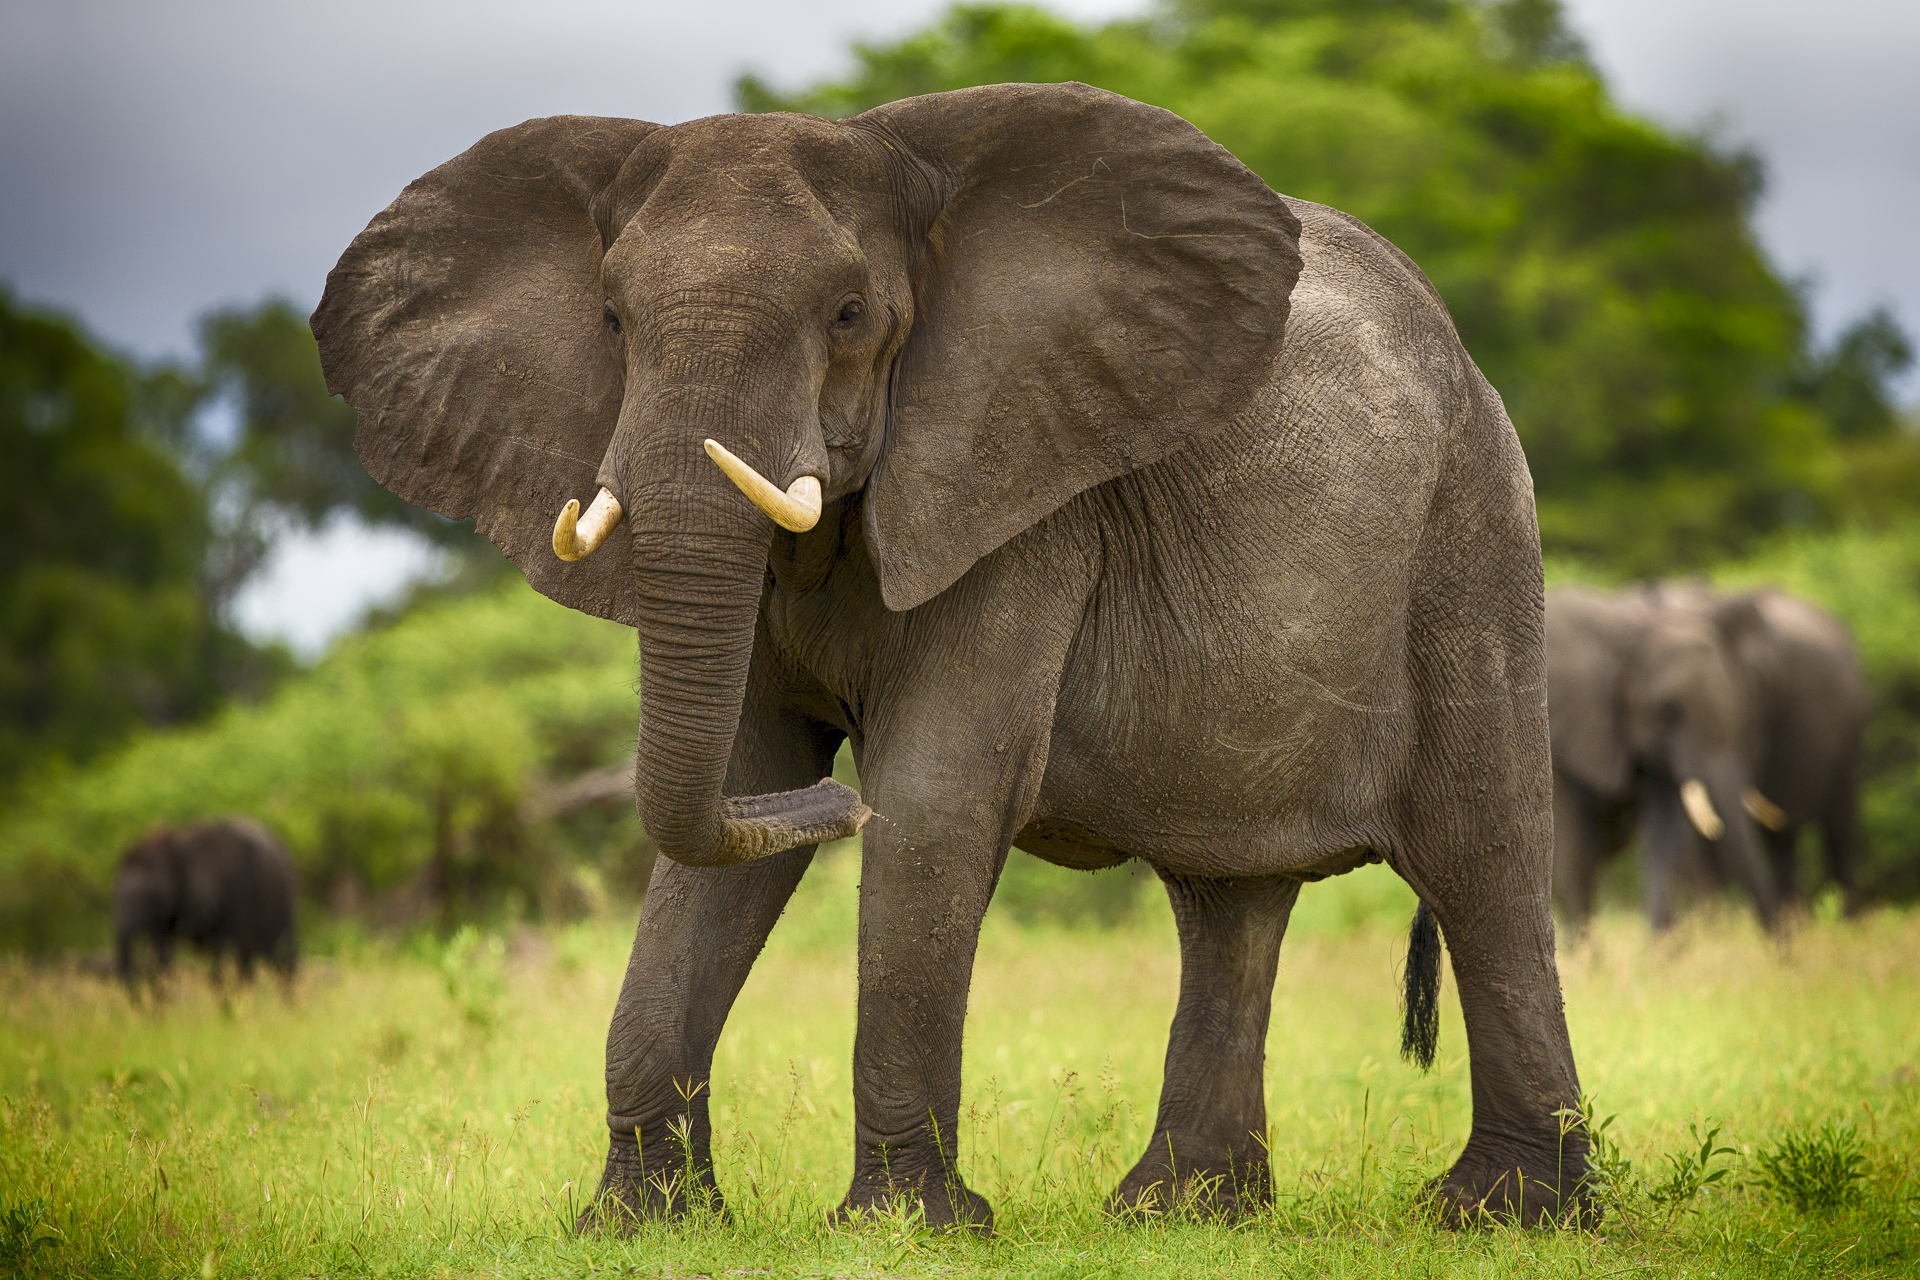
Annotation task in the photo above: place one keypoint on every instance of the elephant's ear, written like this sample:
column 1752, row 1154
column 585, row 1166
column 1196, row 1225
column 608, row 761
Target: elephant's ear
column 1740, row 619
column 1100, row 284
column 1752, row 648
column 464, row 324
column 1590, row 638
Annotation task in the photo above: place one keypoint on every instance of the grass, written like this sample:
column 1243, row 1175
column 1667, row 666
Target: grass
column 434, row 1110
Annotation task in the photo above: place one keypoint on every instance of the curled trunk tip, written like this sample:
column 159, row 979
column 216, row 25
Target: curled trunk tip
column 755, row 827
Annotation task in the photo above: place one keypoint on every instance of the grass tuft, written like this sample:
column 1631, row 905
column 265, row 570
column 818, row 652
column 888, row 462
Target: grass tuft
column 1816, row 1170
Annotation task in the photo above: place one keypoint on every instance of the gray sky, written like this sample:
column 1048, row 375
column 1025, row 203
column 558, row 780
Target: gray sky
column 160, row 157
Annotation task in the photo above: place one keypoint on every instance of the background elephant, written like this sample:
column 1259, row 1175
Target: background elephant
column 224, row 886
column 1103, row 499
column 1807, row 709
column 1651, row 743
column 1677, row 715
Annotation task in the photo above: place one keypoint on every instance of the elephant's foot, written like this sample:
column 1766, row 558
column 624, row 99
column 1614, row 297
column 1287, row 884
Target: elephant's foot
column 1224, row 1186
column 1531, row 1189
column 896, row 1181
column 636, row 1188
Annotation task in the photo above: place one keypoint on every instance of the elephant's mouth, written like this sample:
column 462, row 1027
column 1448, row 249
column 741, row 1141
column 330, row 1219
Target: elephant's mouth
column 796, row 508
column 1696, row 800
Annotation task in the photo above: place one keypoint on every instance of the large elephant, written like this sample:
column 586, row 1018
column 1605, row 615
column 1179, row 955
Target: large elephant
column 224, row 886
column 1807, row 706
column 1105, row 500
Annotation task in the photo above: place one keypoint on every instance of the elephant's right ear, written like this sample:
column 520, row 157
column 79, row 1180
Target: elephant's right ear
column 1589, row 640
column 465, row 326
column 1100, row 284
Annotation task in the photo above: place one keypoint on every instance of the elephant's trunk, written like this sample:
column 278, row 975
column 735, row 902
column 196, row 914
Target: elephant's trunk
column 700, row 567
column 1738, row 851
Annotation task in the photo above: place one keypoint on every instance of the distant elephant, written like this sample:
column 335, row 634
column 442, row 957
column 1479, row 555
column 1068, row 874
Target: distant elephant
column 965, row 430
column 1651, row 742
column 225, row 887
column 1807, row 710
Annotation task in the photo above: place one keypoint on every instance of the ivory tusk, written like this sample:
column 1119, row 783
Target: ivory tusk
column 1764, row 811
column 575, row 537
column 798, row 509
column 1700, row 811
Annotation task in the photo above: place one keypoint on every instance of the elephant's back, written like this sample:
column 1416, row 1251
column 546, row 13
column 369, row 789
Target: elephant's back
column 255, row 874
column 1814, row 703
column 1249, row 656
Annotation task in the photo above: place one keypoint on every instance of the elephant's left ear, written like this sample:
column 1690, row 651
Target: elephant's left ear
column 1100, row 284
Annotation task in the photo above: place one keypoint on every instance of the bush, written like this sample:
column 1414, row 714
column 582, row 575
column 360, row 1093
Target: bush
column 1815, row 1170
column 400, row 763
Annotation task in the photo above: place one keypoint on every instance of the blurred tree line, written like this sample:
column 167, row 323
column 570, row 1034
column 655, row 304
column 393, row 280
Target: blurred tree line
column 136, row 504
column 1602, row 270
column 1678, row 412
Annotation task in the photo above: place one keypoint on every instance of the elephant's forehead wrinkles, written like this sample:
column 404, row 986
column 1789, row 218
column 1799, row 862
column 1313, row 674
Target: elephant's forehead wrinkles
column 789, row 252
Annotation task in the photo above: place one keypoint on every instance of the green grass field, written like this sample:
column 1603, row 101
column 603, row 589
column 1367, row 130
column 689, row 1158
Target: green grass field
column 434, row 1110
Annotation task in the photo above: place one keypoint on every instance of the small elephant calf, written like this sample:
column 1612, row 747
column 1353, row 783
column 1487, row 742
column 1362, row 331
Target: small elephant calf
column 224, row 886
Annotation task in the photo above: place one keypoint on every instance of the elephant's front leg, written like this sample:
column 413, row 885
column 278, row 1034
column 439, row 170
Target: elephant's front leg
column 700, row 931
column 924, row 888
column 954, row 753
column 1208, row 1148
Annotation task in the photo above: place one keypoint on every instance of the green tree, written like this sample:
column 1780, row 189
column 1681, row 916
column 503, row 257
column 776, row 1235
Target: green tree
column 102, row 605
column 1602, row 270
column 1849, row 381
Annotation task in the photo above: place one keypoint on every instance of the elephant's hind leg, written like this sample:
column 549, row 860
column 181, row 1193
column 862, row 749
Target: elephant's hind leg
column 1208, row 1151
column 1479, row 852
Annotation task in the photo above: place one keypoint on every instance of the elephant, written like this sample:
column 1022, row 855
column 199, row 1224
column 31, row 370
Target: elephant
column 1106, row 502
column 1808, row 706
column 225, row 886
column 1710, row 727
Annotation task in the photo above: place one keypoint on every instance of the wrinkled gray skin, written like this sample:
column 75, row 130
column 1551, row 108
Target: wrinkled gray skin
column 225, row 887
column 1807, row 706
column 1753, row 692
column 1109, row 568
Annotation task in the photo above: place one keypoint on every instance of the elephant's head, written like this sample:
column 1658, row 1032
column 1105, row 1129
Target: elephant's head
column 951, row 314
column 146, row 887
column 1683, row 719
column 1687, row 711
column 1649, row 704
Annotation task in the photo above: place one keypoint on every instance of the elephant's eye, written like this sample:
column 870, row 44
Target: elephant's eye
column 850, row 312
column 612, row 320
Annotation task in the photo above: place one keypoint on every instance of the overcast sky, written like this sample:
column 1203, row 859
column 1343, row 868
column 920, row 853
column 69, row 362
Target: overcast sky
column 160, row 157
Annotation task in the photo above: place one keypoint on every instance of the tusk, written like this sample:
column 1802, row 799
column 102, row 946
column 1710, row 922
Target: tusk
column 798, row 509
column 575, row 537
column 1700, row 811
column 1764, row 811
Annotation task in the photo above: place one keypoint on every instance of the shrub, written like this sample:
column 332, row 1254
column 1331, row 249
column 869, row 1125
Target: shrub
column 1815, row 1170
column 399, row 763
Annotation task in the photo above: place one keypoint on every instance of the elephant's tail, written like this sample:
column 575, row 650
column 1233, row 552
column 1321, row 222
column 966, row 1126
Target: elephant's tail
column 1420, row 998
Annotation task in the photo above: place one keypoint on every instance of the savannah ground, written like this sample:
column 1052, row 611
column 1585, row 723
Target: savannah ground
column 433, row 1108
